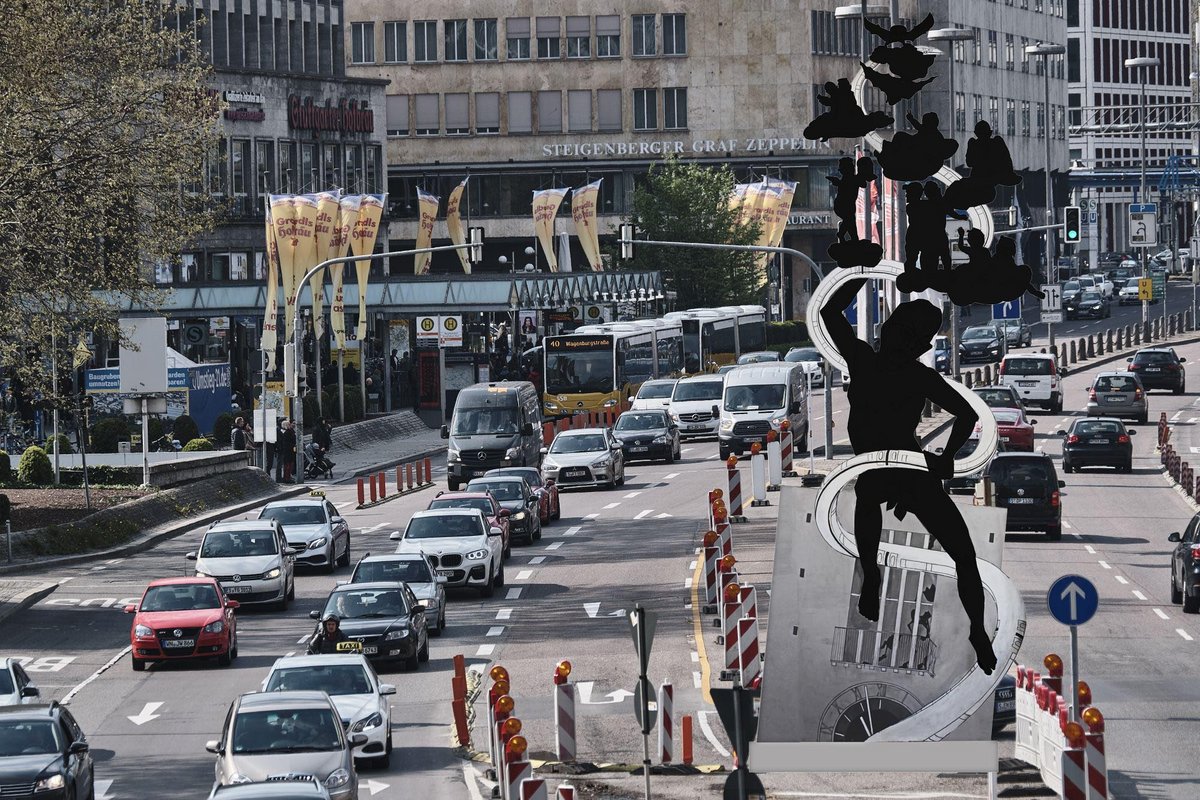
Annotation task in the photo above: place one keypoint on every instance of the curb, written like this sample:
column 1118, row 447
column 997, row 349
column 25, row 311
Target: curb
column 367, row 471
column 26, row 599
column 151, row 540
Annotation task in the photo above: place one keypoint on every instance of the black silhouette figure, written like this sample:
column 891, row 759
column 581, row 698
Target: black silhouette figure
column 887, row 396
column 894, row 88
column 905, row 62
column 845, row 118
column 990, row 166
column 908, row 65
column 926, row 241
column 988, row 278
column 916, row 156
column 849, row 250
column 898, row 34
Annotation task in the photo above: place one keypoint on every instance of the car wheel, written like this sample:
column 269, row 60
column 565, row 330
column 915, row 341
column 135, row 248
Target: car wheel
column 344, row 561
column 1127, row 466
column 557, row 514
column 489, row 588
column 1056, row 405
column 291, row 595
column 1182, row 388
column 537, row 534
column 507, row 549
column 331, row 561
column 442, row 620
column 452, row 484
column 233, row 651
column 500, row 576
column 138, row 664
column 1176, row 592
column 225, row 659
column 1191, row 602
column 423, row 653
column 1054, row 533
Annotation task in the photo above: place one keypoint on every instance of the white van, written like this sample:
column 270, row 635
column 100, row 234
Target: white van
column 692, row 405
column 1037, row 379
column 756, row 399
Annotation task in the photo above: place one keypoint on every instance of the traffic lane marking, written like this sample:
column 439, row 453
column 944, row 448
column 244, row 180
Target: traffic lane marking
column 1161, row 614
column 1186, row 636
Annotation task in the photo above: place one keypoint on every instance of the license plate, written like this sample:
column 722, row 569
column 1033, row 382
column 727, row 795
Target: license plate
column 478, row 473
column 695, row 427
column 1026, row 383
column 639, row 449
column 1004, row 438
column 579, row 412
column 446, row 572
column 179, row 643
column 370, row 650
column 237, row 589
column 1006, row 705
column 1101, row 441
column 1022, row 500
column 574, row 473
column 1114, row 399
column 1153, row 369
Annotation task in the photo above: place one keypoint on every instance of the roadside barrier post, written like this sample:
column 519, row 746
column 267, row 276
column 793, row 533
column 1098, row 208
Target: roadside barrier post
column 786, row 443
column 534, row 789
column 564, row 713
column 516, row 771
column 362, row 500
column 374, row 491
column 666, row 723
column 736, row 511
column 382, row 485
column 547, row 433
column 749, row 664
column 724, row 539
column 1097, row 768
column 565, row 792
column 774, row 462
column 1074, row 771
column 758, row 477
column 711, row 555
column 399, row 480
column 686, row 739
column 731, row 611
column 408, row 475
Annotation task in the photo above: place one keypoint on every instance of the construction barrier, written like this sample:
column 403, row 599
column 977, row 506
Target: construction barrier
column 749, row 663
column 774, row 462
column 362, row 500
column 374, row 490
column 711, row 556
column 758, row 476
column 408, row 475
column 786, row 441
column 564, row 713
column 534, row 789
column 736, row 512
column 515, row 773
column 382, row 486
column 1097, row 767
column 724, row 538
column 1074, row 766
column 458, row 691
column 686, row 738
column 565, row 792
column 666, row 723
column 730, row 614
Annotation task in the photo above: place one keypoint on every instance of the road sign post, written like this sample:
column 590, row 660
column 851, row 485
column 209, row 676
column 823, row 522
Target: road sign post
column 1143, row 225
column 643, row 624
column 1073, row 600
column 1051, row 308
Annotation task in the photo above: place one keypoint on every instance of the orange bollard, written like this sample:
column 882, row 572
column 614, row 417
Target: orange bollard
column 687, row 739
column 399, row 481
column 374, row 495
column 461, row 729
column 408, row 475
column 428, row 471
column 547, row 433
column 361, row 493
column 460, row 666
column 382, row 486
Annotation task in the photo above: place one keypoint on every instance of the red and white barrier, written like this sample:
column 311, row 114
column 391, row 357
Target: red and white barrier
column 515, row 772
column 564, row 722
column 786, row 443
column 749, row 663
column 737, row 512
column 758, row 477
column 1074, row 772
column 749, row 598
column 724, row 538
column 666, row 723
column 565, row 791
column 711, row 556
column 534, row 789
column 730, row 613
column 1097, row 767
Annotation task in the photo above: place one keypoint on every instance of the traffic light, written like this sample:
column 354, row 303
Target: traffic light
column 1071, row 224
column 475, row 254
column 626, row 235
column 289, row 369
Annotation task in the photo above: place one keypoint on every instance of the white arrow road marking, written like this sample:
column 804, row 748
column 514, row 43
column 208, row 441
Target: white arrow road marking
column 585, row 695
column 102, row 788
column 375, row 787
column 641, row 514
column 1192, row 420
column 593, row 611
column 147, row 714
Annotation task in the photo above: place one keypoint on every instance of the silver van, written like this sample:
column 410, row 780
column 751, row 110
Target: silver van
column 757, row 398
column 494, row 425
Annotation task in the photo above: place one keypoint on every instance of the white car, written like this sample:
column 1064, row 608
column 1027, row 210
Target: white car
column 654, row 395
column 351, row 682
column 16, row 688
column 460, row 544
column 314, row 528
column 585, row 457
column 1097, row 282
column 813, row 362
column 1129, row 293
column 692, row 404
column 251, row 559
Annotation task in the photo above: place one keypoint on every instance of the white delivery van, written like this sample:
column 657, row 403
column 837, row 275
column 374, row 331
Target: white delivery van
column 756, row 400
column 696, row 404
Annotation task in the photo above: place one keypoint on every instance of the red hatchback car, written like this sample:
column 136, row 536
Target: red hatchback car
column 181, row 618
column 1016, row 431
column 497, row 517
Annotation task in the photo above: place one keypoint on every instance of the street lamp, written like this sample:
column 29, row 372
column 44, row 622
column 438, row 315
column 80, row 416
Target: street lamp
column 1044, row 50
column 1143, row 65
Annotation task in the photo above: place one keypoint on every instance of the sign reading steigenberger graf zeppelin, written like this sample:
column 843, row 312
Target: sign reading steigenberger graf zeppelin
column 695, row 147
column 348, row 116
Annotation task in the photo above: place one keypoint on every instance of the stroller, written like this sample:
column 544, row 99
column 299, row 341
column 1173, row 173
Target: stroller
column 315, row 463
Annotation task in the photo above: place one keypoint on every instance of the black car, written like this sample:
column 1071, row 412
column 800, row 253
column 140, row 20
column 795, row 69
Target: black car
column 513, row 493
column 980, row 343
column 384, row 617
column 1000, row 396
column 965, row 484
column 1088, row 304
column 1028, row 486
column 1185, row 567
column 648, row 435
column 1159, row 368
column 1004, row 708
column 44, row 754
column 1097, row 442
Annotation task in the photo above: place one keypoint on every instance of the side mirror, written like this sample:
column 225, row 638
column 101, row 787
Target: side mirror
column 340, row 583
column 631, row 398
column 232, row 604
column 77, row 748
column 1175, row 537
column 131, row 608
column 1130, row 359
column 504, row 512
column 1062, row 484
column 716, row 411
column 544, row 450
column 1033, row 422
column 527, row 430
column 1131, row 431
column 445, row 432
column 213, row 747
column 494, row 531
column 615, row 447
column 358, row 740
column 191, row 556
column 336, row 520
column 443, row 578
column 1182, row 360
column 31, row 691
column 387, row 688
column 939, row 450
column 314, row 615
column 395, row 536
column 1062, row 433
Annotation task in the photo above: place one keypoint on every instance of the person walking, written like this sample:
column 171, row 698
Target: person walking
column 287, row 450
column 237, row 435
column 323, row 436
column 276, row 451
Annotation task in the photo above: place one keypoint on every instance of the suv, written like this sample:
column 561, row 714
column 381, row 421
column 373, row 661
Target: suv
column 44, row 754
column 980, row 343
column 1159, row 368
column 1028, row 486
column 461, row 545
column 251, row 559
column 1036, row 378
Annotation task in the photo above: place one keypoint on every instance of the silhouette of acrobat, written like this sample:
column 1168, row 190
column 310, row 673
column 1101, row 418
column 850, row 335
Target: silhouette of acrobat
column 845, row 118
column 849, row 250
column 887, row 396
column 907, row 64
column 988, row 278
column 926, row 240
column 990, row 166
column 918, row 155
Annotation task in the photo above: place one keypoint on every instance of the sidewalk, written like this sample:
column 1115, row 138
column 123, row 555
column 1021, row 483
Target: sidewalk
column 17, row 594
column 362, row 448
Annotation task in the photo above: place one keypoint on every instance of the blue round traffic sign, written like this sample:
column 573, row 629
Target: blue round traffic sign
column 1072, row 599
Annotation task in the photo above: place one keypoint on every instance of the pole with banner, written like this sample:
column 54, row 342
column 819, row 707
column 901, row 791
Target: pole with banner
column 643, row 624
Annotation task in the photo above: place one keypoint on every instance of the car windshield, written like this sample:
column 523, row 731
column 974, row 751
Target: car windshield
column 1116, row 383
column 288, row 731
column 1088, row 427
column 391, row 571
column 1153, row 358
column 583, row 443
column 443, row 526
column 655, row 391
column 333, row 679
column 1007, row 417
column 698, row 390
column 633, row 421
column 308, row 514
column 803, row 354
column 238, row 544
column 188, row 597
column 1026, row 366
column 1071, row 286
column 754, row 397
column 530, row 476
column 481, row 503
column 978, row 333
column 29, row 738
column 484, row 421
column 996, row 397
column 501, row 490
column 1019, row 472
column 758, row 358
column 366, row 604
column 1089, row 297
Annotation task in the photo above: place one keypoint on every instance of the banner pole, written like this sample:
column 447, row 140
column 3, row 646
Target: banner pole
column 342, row 386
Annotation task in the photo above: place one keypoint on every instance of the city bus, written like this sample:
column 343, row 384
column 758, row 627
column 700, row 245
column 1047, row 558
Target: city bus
column 713, row 337
column 751, row 327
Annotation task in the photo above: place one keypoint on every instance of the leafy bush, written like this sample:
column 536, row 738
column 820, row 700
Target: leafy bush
column 107, row 432
column 64, row 445
column 354, row 404
column 185, row 429
column 5, row 467
column 787, row 332
column 34, row 466
column 222, row 427
column 102, row 475
column 198, row 444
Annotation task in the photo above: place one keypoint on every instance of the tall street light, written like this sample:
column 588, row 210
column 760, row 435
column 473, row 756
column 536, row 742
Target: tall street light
column 952, row 35
column 1143, row 65
column 1044, row 50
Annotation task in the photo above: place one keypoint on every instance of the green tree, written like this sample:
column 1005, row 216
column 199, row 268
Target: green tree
column 108, row 118
column 684, row 202
column 35, row 467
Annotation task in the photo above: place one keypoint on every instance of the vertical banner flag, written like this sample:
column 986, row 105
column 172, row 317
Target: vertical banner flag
column 347, row 218
column 454, row 224
column 583, row 212
column 326, row 233
column 362, row 242
column 756, row 210
column 295, row 218
column 781, row 208
column 738, row 197
column 545, row 208
column 428, row 205
column 270, row 339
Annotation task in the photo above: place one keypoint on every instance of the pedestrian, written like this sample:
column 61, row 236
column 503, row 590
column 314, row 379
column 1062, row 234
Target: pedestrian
column 277, row 451
column 323, row 436
column 239, row 436
column 395, row 359
column 287, row 450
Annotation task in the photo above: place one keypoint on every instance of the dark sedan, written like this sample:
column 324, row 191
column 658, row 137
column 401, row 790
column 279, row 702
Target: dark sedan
column 1097, row 442
column 385, row 618
column 1159, row 368
column 1185, row 567
column 980, row 343
column 648, row 435
column 549, row 507
column 512, row 492
column 44, row 754
column 1088, row 304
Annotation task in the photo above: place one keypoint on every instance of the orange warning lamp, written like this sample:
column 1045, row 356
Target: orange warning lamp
column 710, row 538
column 718, row 503
column 1094, row 719
column 504, row 704
column 716, row 494
column 1054, row 665
column 726, row 563
column 510, row 727
column 1074, row 734
column 515, row 748
column 731, row 462
column 755, row 449
column 772, row 436
column 785, row 425
column 1085, row 694
column 733, row 593
column 500, row 688
column 720, row 514
column 498, row 673
column 562, row 672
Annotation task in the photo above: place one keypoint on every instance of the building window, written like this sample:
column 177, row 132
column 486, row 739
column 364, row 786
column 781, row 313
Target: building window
column 425, row 41
column 645, row 42
column 976, row 108
column 486, row 41
column 456, row 39
column 645, row 109
column 674, row 34
column 550, row 112
column 579, row 37
column 516, row 29
column 1025, row 122
column 994, row 113
column 1024, row 55
column 395, row 42
column 579, row 110
column 608, row 37
column 549, row 37
column 288, row 167
column 960, row 111
column 372, row 175
column 1073, row 72
column 608, row 110
column 1009, row 52
column 427, row 115
column 1075, row 108
column 458, row 119
column 1041, row 120
column 675, row 108
column 397, row 115
column 520, row 112
column 992, row 49
column 487, row 112
column 977, row 47
column 1010, row 117
column 264, row 174
column 362, row 42
column 239, row 163
column 333, row 166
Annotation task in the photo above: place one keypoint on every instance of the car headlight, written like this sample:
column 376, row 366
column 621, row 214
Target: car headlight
column 50, row 783
column 271, row 573
column 552, row 406
column 549, row 463
column 392, row 636
column 726, row 424
column 520, row 515
column 320, row 541
column 337, row 779
column 602, row 463
column 674, row 416
column 238, row 777
column 143, row 630
column 661, row 439
column 200, row 574
column 993, row 344
column 451, row 453
column 610, row 403
column 477, row 555
column 214, row 627
column 370, row 723
column 512, row 452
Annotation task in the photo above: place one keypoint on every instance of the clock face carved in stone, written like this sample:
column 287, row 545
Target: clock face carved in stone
column 864, row 709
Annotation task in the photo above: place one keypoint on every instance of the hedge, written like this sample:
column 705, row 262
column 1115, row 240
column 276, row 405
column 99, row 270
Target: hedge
column 34, row 466
column 198, row 444
column 107, row 432
column 5, row 467
column 787, row 332
column 222, row 427
column 185, row 429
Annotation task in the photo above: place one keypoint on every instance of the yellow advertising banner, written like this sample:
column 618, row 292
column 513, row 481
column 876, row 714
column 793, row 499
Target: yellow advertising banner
column 781, row 207
column 326, row 233
column 738, row 196
column 362, row 242
column 545, row 209
column 295, row 220
column 347, row 217
column 584, row 201
column 454, row 224
column 428, row 208
column 270, row 334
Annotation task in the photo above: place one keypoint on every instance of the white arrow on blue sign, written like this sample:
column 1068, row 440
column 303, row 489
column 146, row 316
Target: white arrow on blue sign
column 1073, row 599
column 1009, row 310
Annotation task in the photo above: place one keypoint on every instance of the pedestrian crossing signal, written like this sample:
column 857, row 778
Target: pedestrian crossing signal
column 1071, row 224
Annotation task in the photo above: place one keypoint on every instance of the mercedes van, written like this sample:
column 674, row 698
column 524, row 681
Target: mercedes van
column 494, row 425
column 756, row 399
